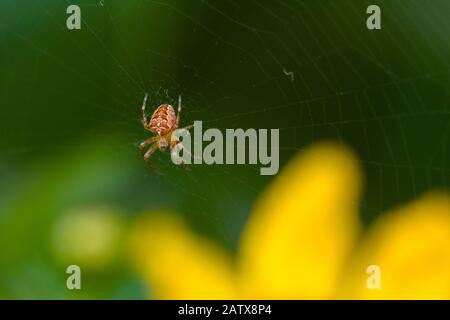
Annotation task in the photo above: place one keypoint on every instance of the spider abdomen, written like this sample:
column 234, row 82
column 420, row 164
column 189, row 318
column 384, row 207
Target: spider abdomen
column 163, row 119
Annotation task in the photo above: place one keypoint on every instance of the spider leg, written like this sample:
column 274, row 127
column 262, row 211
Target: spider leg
column 184, row 167
column 188, row 127
column 174, row 143
column 177, row 121
column 144, row 117
column 182, row 164
column 147, row 156
column 146, row 143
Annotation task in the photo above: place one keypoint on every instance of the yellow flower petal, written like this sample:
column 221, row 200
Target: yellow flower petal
column 303, row 227
column 178, row 264
column 411, row 246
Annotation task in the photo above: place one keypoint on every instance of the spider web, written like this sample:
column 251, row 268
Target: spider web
column 309, row 68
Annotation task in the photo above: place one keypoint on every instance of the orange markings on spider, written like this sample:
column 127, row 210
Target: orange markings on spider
column 163, row 123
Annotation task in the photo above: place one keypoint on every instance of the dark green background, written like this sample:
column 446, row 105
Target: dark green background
column 70, row 110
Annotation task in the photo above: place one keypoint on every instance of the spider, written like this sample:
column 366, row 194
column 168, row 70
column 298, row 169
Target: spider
column 163, row 122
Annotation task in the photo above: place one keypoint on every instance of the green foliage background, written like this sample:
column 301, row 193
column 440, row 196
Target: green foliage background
column 70, row 121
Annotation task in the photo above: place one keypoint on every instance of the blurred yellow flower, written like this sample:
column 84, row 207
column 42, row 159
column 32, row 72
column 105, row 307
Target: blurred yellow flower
column 304, row 241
